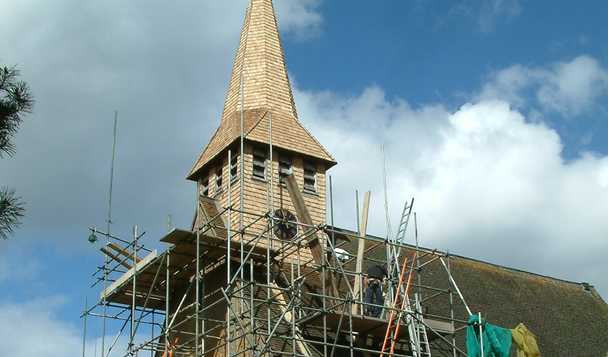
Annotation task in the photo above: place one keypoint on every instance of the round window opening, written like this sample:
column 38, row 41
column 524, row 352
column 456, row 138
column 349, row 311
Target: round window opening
column 286, row 226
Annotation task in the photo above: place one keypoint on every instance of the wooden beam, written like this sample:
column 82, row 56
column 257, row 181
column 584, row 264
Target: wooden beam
column 358, row 289
column 120, row 250
column 304, row 216
column 141, row 265
column 115, row 257
column 282, row 304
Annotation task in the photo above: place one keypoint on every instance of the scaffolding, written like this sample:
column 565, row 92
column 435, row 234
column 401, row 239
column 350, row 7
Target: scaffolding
column 244, row 282
column 218, row 291
column 241, row 282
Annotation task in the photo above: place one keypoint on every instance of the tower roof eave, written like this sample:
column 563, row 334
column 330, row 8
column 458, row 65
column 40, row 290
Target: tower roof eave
column 287, row 133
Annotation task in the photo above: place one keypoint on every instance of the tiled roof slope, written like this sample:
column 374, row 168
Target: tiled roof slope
column 260, row 64
column 568, row 318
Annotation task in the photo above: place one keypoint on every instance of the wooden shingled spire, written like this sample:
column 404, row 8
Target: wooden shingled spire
column 266, row 90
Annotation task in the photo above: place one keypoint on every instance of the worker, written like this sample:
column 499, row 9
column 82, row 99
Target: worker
column 373, row 292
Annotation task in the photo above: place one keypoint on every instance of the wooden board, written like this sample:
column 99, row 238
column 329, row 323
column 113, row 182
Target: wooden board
column 188, row 238
column 182, row 267
column 372, row 326
column 358, row 286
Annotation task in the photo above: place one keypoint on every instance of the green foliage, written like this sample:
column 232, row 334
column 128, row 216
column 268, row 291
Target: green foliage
column 15, row 101
column 11, row 211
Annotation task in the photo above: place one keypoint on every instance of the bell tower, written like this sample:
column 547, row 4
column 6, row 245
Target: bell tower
column 260, row 140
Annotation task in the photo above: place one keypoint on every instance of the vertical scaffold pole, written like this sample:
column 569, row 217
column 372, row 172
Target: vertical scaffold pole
column 270, row 224
column 389, row 234
column 268, row 282
column 251, row 302
column 241, row 193
column 386, row 210
column 167, row 305
column 481, row 334
column 152, row 333
column 84, row 327
column 229, row 252
column 324, row 292
column 198, row 272
column 351, row 339
column 203, row 320
column 331, row 212
column 293, row 312
column 242, row 177
column 451, row 308
column 357, row 211
column 271, row 171
column 418, row 277
column 109, row 222
column 134, row 292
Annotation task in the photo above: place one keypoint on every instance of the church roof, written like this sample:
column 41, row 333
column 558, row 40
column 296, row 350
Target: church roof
column 260, row 71
column 568, row 318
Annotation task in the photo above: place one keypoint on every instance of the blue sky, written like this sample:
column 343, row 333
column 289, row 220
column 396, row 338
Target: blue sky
column 493, row 114
column 435, row 51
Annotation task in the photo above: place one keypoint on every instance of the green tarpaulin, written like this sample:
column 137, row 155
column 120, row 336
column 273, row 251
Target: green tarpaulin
column 496, row 340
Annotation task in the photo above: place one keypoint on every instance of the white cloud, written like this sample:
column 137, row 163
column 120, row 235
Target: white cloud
column 572, row 87
column 32, row 329
column 487, row 14
column 488, row 183
column 508, row 84
column 165, row 68
column 568, row 88
column 302, row 17
column 493, row 11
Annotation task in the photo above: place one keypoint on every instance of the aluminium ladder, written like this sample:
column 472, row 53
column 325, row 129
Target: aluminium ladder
column 393, row 252
column 401, row 306
column 417, row 328
column 405, row 219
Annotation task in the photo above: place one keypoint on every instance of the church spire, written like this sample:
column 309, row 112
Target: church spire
column 265, row 91
column 260, row 62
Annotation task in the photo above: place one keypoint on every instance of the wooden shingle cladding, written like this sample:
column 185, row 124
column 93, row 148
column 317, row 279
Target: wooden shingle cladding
column 226, row 134
column 260, row 94
column 287, row 133
column 260, row 87
column 256, row 199
column 261, row 62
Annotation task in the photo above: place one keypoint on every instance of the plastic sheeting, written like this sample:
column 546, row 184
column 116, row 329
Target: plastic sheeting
column 525, row 341
column 496, row 340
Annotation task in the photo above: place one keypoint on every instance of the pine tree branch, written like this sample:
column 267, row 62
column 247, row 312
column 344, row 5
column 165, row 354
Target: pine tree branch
column 12, row 209
column 15, row 100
